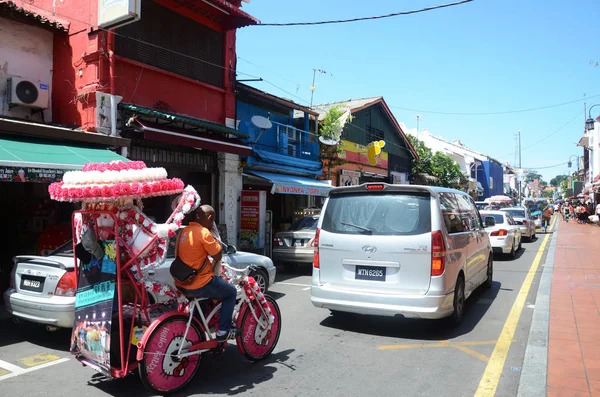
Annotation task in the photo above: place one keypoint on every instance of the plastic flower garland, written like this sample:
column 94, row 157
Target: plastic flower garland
column 252, row 290
column 113, row 187
column 117, row 180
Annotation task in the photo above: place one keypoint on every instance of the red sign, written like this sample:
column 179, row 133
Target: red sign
column 250, row 207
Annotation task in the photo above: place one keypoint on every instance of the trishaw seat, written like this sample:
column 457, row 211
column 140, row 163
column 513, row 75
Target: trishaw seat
column 191, row 297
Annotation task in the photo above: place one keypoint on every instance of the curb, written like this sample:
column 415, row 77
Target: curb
column 533, row 381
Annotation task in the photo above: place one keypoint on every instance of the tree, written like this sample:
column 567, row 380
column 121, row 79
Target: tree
column 564, row 186
column 557, row 180
column 533, row 175
column 330, row 154
column 438, row 165
column 548, row 193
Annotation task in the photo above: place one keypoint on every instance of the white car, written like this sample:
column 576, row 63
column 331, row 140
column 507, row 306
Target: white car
column 505, row 234
column 522, row 218
column 399, row 251
column 42, row 288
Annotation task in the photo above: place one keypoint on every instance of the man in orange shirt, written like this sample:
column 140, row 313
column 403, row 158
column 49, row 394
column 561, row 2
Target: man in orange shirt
column 194, row 244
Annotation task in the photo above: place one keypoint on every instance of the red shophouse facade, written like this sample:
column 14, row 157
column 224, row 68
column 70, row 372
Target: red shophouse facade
column 174, row 69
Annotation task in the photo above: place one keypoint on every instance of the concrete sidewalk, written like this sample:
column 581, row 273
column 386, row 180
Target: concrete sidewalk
column 574, row 327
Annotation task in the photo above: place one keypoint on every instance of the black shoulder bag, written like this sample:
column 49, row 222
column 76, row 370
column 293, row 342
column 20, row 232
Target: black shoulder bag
column 180, row 271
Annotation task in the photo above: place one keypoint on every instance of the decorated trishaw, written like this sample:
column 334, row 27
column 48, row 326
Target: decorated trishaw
column 117, row 330
column 500, row 201
column 540, row 210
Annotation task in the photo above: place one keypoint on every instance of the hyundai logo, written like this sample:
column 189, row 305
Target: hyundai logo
column 370, row 249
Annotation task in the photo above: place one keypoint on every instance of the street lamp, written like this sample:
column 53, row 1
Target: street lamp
column 569, row 163
column 589, row 123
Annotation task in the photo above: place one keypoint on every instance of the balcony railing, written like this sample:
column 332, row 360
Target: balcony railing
column 293, row 142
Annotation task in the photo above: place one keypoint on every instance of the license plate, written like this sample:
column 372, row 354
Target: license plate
column 32, row 284
column 370, row 273
column 299, row 243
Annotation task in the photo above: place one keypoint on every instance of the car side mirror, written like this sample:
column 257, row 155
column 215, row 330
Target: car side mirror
column 231, row 249
column 490, row 221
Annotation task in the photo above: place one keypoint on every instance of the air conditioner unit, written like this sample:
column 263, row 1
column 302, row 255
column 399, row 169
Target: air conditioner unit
column 28, row 93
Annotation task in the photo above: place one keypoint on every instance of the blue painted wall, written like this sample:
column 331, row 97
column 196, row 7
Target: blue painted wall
column 269, row 153
column 487, row 170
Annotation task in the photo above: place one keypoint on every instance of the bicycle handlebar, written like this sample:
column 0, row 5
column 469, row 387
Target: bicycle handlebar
column 245, row 270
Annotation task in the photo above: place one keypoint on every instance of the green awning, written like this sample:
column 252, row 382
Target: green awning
column 46, row 154
column 185, row 120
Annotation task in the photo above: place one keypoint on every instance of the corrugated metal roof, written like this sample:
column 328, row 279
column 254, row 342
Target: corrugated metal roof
column 299, row 110
column 8, row 7
column 240, row 18
column 348, row 104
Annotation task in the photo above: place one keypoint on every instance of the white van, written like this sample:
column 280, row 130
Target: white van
column 399, row 250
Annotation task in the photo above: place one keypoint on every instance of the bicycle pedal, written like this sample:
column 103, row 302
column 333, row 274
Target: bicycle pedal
column 220, row 349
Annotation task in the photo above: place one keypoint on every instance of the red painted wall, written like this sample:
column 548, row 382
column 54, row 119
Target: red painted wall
column 81, row 67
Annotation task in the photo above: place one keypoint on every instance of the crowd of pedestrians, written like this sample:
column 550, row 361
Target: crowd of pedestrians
column 580, row 212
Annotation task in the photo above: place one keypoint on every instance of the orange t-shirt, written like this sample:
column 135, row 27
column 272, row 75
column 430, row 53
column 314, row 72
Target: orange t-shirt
column 194, row 244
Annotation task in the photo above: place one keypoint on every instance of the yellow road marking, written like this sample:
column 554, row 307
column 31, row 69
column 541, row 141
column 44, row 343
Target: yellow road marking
column 493, row 371
column 470, row 352
column 38, row 359
column 4, row 371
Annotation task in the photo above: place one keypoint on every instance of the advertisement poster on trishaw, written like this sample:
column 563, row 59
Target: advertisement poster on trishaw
column 94, row 303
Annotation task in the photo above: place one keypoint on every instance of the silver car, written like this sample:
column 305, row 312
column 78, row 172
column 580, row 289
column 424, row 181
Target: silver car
column 399, row 250
column 295, row 245
column 42, row 289
column 522, row 218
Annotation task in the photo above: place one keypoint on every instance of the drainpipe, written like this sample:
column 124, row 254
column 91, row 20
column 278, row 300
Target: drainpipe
column 110, row 44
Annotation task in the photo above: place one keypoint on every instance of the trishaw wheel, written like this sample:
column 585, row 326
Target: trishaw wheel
column 161, row 370
column 254, row 342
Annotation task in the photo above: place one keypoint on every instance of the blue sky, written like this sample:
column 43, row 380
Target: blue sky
column 480, row 57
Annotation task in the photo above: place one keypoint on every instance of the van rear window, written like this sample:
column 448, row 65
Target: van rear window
column 382, row 214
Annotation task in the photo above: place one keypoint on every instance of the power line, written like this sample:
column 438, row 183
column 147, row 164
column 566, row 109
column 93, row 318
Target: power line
column 559, row 129
column 543, row 168
column 496, row 113
column 395, row 14
column 144, row 42
column 547, row 136
column 440, row 112
column 295, row 96
column 298, row 85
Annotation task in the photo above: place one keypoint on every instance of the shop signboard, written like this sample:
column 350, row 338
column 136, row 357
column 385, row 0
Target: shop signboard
column 94, row 307
column 116, row 13
column 283, row 188
column 26, row 174
column 349, row 178
column 253, row 217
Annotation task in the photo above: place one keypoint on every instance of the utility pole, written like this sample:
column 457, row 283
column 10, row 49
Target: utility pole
column 312, row 87
column 520, row 169
column 418, row 119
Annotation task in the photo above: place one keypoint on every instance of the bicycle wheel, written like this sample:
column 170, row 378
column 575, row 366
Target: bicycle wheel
column 257, row 343
column 161, row 370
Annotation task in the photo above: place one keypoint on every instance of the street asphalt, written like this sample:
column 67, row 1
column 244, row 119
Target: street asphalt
column 323, row 355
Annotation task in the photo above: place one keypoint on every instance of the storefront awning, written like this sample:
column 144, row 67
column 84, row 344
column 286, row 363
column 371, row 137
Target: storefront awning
column 584, row 141
column 290, row 184
column 195, row 140
column 174, row 119
column 21, row 153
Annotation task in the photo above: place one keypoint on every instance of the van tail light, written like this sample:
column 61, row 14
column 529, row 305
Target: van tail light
column 315, row 245
column 438, row 253
column 67, row 285
column 501, row 232
column 278, row 242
